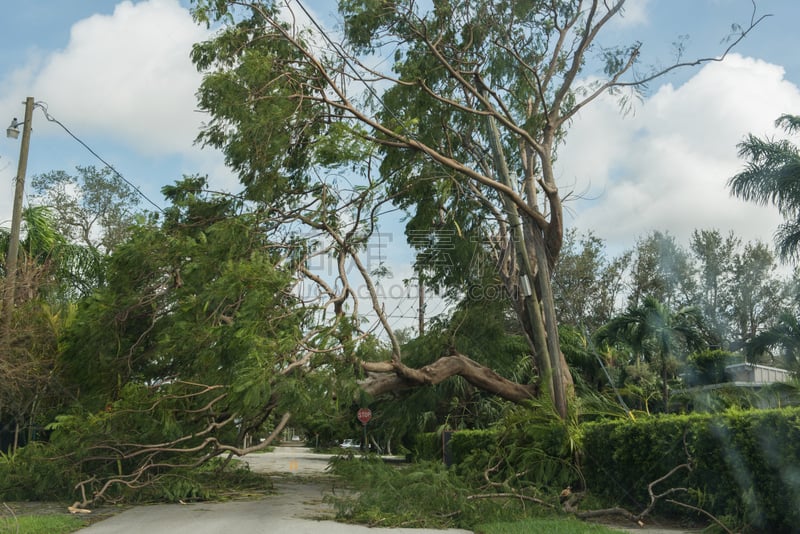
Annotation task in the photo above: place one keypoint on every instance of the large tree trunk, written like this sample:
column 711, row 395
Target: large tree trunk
column 527, row 277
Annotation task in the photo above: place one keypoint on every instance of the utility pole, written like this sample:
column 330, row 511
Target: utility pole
column 16, row 219
column 421, row 305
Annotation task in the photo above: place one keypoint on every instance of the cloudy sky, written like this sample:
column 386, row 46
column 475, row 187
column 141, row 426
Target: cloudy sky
column 118, row 75
column 664, row 166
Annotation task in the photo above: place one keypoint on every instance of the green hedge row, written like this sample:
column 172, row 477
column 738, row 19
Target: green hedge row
column 744, row 464
column 427, row 447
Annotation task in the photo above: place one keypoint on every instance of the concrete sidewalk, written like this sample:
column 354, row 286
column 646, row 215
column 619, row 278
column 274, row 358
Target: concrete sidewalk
column 296, row 508
column 279, row 514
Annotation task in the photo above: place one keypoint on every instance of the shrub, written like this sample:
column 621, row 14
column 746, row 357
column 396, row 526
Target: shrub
column 35, row 472
column 466, row 442
column 744, row 464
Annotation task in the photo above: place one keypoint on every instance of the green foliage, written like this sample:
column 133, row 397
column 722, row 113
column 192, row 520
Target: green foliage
column 419, row 495
column 36, row 472
column 586, row 283
column 781, row 337
column 479, row 329
column 188, row 348
column 585, row 362
column 213, row 480
column 428, row 446
column 657, row 335
column 388, row 496
column 464, row 443
column 772, row 167
column 94, row 207
column 661, row 270
column 248, row 89
column 530, row 450
column 56, row 268
column 743, row 463
column 92, row 448
column 193, row 299
column 106, row 444
column 707, row 367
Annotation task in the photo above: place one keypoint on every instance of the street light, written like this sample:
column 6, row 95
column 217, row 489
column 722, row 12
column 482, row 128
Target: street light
column 12, row 131
column 16, row 215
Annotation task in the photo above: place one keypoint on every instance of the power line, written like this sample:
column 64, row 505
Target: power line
column 344, row 57
column 43, row 107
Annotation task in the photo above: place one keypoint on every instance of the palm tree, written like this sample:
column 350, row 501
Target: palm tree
column 772, row 175
column 785, row 335
column 62, row 270
column 656, row 334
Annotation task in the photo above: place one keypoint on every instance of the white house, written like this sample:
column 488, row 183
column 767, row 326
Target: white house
column 749, row 374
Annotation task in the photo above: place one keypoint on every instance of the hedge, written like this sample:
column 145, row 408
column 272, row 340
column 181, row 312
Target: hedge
column 427, row 447
column 745, row 464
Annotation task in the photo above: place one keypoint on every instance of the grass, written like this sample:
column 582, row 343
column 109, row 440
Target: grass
column 42, row 524
column 551, row 526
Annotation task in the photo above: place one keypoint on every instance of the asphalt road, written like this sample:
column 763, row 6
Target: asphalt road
column 296, row 508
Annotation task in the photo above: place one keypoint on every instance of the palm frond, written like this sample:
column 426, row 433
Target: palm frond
column 790, row 123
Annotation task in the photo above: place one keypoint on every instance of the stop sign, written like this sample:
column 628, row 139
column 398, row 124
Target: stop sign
column 364, row 415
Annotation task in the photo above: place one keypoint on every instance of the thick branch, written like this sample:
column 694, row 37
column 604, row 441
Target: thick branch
column 386, row 377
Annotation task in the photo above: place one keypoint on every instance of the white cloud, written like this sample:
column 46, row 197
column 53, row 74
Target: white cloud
column 666, row 167
column 128, row 75
column 633, row 14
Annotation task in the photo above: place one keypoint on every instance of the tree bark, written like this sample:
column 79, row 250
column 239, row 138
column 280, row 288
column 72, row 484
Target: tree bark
column 391, row 377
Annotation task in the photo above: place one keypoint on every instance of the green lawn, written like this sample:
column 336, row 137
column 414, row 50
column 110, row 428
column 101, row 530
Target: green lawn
column 41, row 524
column 549, row 526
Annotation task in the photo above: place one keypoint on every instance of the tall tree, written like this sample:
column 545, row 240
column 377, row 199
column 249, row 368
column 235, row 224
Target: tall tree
column 772, row 175
column 662, row 270
column 474, row 105
column 756, row 295
column 586, row 284
column 715, row 255
column 93, row 207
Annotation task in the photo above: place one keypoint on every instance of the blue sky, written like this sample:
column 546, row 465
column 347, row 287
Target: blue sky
column 118, row 75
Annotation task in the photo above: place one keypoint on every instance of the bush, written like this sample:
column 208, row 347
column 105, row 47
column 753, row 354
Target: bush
column 744, row 464
column 466, row 442
column 35, row 472
column 708, row 367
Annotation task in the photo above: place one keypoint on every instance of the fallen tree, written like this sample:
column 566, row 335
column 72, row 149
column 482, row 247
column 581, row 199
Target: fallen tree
column 263, row 294
column 460, row 130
